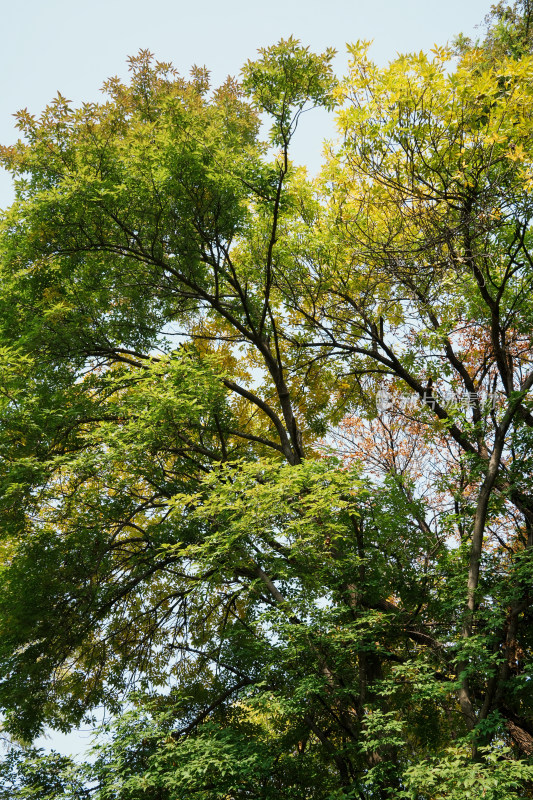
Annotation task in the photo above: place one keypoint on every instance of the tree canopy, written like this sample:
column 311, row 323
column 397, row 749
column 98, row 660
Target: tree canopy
column 266, row 440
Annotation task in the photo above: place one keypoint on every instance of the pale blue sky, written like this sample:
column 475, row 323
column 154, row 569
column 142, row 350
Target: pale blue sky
column 70, row 46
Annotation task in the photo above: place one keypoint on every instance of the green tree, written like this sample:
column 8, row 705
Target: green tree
column 508, row 31
column 190, row 329
column 33, row 775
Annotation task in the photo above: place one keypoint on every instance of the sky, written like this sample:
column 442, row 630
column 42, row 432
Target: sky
column 73, row 46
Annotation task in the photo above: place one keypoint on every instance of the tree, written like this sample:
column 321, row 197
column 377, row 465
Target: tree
column 509, row 31
column 197, row 327
column 30, row 774
column 431, row 192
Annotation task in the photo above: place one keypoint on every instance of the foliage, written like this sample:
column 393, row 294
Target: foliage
column 456, row 777
column 244, row 506
column 509, row 31
column 33, row 775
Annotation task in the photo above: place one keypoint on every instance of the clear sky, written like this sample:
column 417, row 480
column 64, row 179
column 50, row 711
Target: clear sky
column 73, row 46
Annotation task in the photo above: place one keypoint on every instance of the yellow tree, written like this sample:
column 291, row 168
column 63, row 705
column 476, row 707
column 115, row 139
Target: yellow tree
column 424, row 288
